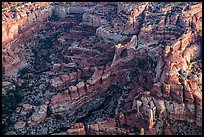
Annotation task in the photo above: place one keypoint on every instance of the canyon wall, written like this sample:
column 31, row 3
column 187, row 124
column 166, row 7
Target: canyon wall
column 104, row 68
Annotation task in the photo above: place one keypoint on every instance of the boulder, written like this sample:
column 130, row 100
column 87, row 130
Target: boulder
column 77, row 129
column 40, row 116
column 81, row 88
column 20, row 125
column 27, row 107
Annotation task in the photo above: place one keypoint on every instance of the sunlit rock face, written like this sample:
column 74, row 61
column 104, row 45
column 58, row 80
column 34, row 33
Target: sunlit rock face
column 102, row 68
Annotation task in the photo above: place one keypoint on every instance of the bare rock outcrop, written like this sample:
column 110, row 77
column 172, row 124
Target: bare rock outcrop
column 102, row 68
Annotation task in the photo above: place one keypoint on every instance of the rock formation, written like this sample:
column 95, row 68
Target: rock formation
column 102, row 68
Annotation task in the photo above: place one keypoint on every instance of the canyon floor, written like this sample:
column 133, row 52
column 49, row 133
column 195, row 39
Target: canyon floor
column 102, row 68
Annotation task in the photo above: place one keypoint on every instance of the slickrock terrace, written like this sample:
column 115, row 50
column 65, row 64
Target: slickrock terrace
column 102, row 68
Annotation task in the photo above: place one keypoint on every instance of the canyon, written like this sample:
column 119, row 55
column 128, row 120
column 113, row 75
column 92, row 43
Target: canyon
column 102, row 68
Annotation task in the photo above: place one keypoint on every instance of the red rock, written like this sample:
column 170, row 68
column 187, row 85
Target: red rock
column 173, row 78
column 77, row 129
column 94, row 84
column 86, row 73
column 191, row 107
column 61, row 97
column 56, row 81
column 166, row 90
column 65, row 78
column 72, row 75
column 153, row 131
column 188, row 96
column 73, row 92
column 56, row 98
column 94, row 127
column 161, row 109
column 198, row 97
column 177, row 92
column 178, row 108
column 81, row 88
column 193, row 83
column 121, row 118
column 106, row 80
column 182, row 52
column 65, row 97
column 110, row 122
column 89, row 88
column 156, row 90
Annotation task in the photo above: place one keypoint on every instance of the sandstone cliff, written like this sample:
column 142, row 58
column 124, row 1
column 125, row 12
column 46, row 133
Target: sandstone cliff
column 102, row 68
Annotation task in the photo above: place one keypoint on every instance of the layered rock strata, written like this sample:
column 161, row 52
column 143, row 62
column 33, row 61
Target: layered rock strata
column 102, row 68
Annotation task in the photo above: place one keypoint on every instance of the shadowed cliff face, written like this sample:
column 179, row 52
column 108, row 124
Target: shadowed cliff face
column 102, row 68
